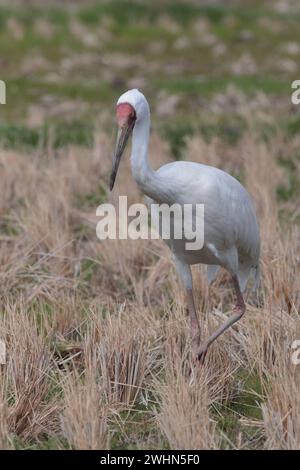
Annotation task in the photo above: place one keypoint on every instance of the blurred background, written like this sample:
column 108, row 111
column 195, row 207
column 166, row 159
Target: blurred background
column 206, row 67
column 96, row 332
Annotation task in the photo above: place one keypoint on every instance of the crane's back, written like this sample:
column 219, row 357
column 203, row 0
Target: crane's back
column 231, row 233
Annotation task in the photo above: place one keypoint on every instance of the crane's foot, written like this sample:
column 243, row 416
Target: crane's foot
column 201, row 354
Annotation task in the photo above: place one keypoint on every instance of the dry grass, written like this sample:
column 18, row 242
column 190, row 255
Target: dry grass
column 98, row 329
column 84, row 420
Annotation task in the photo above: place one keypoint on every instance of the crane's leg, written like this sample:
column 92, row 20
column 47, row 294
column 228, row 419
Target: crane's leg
column 239, row 311
column 195, row 326
column 185, row 274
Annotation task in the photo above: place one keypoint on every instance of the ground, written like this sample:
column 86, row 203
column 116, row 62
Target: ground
column 97, row 337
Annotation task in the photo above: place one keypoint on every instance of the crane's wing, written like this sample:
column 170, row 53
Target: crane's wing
column 230, row 225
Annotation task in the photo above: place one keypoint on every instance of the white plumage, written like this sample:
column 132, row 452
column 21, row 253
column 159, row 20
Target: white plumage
column 230, row 229
column 231, row 233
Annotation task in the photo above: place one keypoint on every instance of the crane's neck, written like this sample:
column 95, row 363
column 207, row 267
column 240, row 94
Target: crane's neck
column 144, row 175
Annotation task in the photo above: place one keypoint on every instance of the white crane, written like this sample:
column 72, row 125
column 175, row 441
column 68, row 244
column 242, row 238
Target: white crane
column 231, row 233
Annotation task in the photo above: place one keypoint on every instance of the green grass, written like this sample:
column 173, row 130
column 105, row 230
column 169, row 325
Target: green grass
column 88, row 269
column 7, row 227
column 121, row 11
column 228, row 129
column 291, row 190
column 126, row 11
column 292, row 125
column 19, row 136
column 176, row 133
column 206, row 86
column 45, row 443
column 74, row 132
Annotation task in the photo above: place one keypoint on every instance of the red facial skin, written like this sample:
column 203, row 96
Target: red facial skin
column 125, row 114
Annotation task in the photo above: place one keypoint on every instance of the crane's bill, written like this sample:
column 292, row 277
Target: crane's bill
column 123, row 135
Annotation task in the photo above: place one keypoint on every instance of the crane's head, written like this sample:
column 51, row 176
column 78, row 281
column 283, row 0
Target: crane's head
column 132, row 107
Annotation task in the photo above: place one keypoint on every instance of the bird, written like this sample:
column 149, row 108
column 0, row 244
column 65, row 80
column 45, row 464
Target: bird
column 231, row 231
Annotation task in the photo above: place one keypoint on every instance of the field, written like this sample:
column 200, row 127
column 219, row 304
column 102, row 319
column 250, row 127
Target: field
column 96, row 332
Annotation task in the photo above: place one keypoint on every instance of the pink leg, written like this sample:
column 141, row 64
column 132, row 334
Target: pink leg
column 195, row 326
column 239, row 311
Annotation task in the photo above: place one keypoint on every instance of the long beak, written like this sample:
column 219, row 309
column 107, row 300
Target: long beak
column 123, row 135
